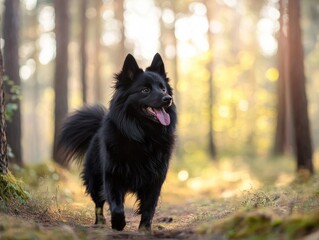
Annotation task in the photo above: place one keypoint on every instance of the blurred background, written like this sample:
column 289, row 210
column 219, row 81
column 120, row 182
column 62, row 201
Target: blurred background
column 223, row 58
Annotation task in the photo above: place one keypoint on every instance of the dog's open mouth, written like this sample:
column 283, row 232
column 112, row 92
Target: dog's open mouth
column 159, row 114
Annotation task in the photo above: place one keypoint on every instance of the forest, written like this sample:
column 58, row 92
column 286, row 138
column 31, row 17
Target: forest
column 243, row 72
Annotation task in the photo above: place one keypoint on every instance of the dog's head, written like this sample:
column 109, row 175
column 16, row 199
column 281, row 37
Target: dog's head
column 145, row 94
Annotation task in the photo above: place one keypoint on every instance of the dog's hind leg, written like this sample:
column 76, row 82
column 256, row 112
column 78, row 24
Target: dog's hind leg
column 98, row 200
column 92, row 176
column 99, row 217
column 99, row 203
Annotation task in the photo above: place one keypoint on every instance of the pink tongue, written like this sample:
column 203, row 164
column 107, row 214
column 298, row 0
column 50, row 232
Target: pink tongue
column 162, row 116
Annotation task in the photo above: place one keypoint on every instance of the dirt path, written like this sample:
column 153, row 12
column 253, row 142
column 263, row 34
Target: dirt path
column 76, row 222
column 170, row 222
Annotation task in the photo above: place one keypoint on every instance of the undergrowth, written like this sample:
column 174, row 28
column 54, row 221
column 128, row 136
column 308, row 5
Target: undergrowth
column 226, row 203
column 11, row 189
column 285, row 212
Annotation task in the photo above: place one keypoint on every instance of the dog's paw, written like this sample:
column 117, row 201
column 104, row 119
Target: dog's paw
column 118, row 221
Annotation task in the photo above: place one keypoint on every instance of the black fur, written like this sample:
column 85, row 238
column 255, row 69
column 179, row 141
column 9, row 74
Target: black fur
column 127, row 149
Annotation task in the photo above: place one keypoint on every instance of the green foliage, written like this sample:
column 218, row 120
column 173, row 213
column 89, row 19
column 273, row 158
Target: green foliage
column 13, row 94
column 10, row 108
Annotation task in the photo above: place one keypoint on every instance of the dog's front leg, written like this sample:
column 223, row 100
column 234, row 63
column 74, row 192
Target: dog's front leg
column 148, row 201
column 116, row 202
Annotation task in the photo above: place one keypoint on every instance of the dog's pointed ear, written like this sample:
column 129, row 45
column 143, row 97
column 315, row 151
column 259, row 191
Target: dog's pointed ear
column 130, row 67
column 129, row 71
column 157, row 65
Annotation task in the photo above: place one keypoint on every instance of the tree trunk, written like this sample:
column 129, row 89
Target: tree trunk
column 119, row 15
column 83, row 53
column 210, row 66
column 3, row 136
column 11, row 64
column 298, row 90
column 97, row 45
column 283, row 135
column 61, row 69
column 177, row 99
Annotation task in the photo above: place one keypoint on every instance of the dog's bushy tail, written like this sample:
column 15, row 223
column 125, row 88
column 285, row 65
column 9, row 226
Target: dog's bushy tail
column 78, row 130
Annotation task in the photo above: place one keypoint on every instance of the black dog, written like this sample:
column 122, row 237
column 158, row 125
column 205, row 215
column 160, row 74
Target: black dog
column 127, row 149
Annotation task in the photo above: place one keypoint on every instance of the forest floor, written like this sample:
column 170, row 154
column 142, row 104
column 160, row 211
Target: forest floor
column 228, row 201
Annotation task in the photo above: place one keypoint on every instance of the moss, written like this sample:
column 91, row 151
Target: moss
column 298, row 226
column 243, row 225
column 263, row 225
column 11, row 189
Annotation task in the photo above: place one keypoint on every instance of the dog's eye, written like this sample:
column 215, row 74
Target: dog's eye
column 146, row 90
column 164, row 90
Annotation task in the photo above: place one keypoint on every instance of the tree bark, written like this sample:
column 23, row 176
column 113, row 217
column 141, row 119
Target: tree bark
column 11, row 22
column 298, row 89
column 3, row 136
column 61, row 69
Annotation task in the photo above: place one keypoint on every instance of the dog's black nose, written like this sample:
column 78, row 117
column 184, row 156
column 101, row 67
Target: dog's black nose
column 167, row 99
